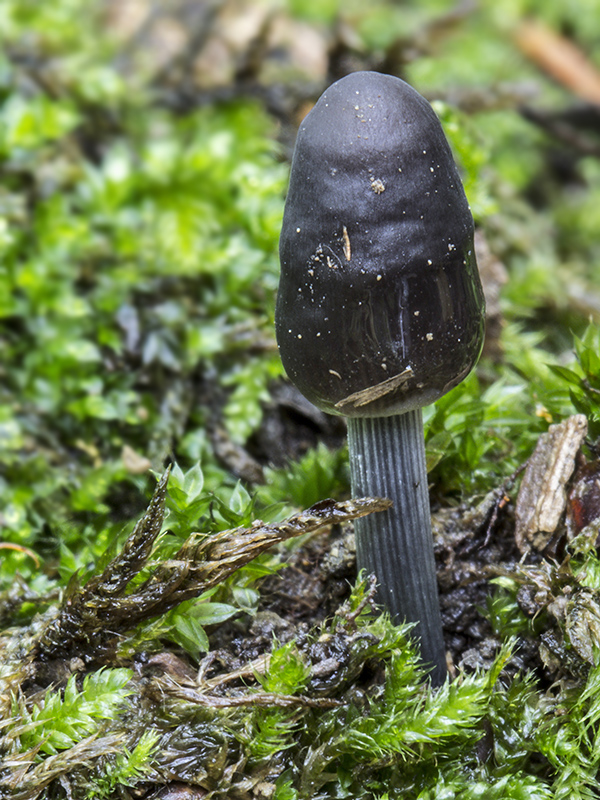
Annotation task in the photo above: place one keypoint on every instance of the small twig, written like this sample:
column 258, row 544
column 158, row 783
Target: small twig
column 167, row 687
column 259, row 665
column 502, row 500
column 560, row 58
column 21, row 549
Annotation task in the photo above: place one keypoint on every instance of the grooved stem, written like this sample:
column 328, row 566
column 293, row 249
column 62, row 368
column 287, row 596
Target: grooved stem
column 387, row 459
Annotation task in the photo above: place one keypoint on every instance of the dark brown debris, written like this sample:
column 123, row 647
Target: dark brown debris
column 94, row 617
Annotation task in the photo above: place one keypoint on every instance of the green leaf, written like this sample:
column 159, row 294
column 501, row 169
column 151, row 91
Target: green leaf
column 212, row 613
column 568, row 375
column 190, row 634
column 240, row 500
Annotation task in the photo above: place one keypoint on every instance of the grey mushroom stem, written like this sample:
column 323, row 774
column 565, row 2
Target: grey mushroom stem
column 387, row 459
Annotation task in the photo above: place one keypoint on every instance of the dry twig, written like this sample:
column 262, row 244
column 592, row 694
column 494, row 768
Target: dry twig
column 560, row 58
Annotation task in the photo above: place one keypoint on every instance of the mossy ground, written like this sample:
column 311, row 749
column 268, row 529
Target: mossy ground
column 158, row 647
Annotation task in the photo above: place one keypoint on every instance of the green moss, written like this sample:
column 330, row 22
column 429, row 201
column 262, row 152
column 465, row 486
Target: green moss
column 138, row 269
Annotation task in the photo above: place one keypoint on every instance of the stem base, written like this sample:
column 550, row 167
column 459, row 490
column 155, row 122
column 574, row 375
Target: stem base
column 387, row 459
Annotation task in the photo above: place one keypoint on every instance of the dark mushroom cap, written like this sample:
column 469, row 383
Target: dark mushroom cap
column 380, row 308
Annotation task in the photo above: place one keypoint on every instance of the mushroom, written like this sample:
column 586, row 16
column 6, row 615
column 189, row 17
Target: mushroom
column 380, row 312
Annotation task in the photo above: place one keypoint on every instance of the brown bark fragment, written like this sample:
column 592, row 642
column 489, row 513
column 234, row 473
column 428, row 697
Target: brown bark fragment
column 542, row 497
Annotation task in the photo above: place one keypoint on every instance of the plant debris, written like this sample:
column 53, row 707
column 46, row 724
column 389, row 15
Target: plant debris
column 143, row 153
column 542, row 497
column 93, row 618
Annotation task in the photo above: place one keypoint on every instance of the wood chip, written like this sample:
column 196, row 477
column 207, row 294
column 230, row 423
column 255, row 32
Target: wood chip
column 542, row 496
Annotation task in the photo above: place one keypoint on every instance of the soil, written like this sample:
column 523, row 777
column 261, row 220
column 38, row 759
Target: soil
column 470, row 548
